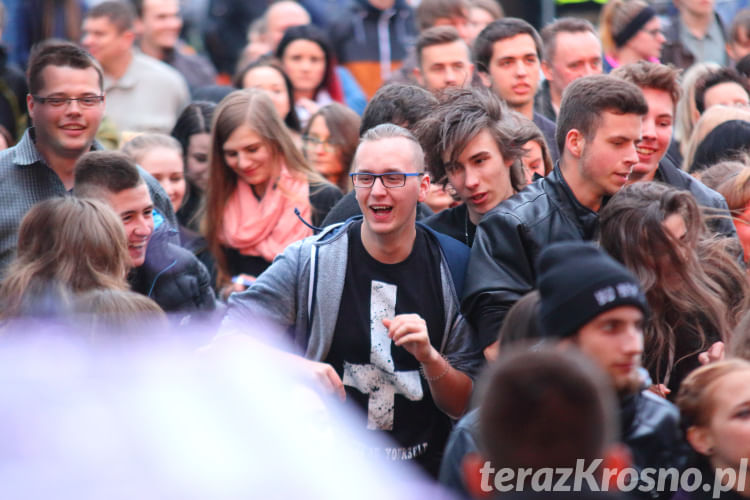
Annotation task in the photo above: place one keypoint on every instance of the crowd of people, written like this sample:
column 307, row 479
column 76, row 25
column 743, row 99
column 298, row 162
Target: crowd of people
column 509, row 248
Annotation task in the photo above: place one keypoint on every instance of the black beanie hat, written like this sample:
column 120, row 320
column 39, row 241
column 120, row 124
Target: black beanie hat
column 578, row 281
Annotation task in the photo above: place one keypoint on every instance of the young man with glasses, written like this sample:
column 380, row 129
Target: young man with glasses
column 66, row 104
column 373, row 303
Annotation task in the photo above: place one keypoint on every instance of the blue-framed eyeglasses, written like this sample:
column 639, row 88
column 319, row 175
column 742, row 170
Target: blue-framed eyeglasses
column 389, row 180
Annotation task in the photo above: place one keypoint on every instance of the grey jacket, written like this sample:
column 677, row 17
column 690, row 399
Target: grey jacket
column 302, row 291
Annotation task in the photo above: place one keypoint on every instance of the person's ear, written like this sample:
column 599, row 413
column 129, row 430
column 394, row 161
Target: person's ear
column 575, row 142
column 700, row 440
column 486, row 78
column 30, row 104
column 472, row 475
column 546, row 70
column 424, row 186
column 418, row 76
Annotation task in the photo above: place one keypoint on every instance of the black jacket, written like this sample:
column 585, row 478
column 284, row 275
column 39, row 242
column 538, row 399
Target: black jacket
column 506, row 245
column 173, row 277
column 715, row 207
column 650, row 428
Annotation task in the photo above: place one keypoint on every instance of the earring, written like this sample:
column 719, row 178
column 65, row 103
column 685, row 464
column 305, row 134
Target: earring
column 710, row 451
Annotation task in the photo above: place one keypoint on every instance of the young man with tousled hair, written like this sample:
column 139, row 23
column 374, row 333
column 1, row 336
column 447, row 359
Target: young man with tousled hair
column 66, row 103
column 660, row 86
column 598, row 127
column 373, row 304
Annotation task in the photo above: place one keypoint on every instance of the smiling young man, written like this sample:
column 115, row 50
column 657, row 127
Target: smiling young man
column 597, row 130
column 66, row 102
column 507, row 55
column 373, row 304
column 661, row 88
column 170, row 275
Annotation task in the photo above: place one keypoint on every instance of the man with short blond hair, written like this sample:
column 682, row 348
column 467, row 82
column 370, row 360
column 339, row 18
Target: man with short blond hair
column 373, row 304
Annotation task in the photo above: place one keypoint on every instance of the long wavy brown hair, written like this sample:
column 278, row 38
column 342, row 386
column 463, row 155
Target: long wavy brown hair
column 251, row 107
column 77, row 244
column 682, row 287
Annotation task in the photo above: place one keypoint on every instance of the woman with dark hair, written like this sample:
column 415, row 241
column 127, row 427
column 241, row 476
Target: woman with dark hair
column 329, row 142
column 267, row 74
column 67, row 244
column 193, row 132
column 308, row 58
column 658, row 233
column 258, row 181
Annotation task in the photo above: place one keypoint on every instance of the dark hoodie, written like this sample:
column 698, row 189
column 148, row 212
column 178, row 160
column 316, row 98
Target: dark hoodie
column 173, row 277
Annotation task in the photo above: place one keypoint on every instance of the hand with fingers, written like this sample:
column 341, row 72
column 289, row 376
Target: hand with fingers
column 410, row 332
column 326, row 377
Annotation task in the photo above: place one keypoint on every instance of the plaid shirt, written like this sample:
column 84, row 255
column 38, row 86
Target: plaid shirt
column 26, row 179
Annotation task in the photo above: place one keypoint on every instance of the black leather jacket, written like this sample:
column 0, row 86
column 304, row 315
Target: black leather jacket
column 506, row 245
column 650, row 427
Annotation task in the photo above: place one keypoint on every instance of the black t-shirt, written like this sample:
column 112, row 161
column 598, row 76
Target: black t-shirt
column 455, row 223
column 383, row 379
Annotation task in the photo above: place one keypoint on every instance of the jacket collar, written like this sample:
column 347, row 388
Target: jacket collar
column 561, row 194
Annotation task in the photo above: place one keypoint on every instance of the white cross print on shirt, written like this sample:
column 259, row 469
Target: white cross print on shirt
column 379, row 379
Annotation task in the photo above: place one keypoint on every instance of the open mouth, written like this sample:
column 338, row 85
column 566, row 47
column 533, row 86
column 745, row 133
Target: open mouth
column 478, row 199
column 381, row 212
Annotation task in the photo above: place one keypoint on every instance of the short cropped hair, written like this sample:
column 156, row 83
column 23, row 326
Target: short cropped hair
column 400, row 103
column 545, row 408
column 105, row 171
column 713, row 78
column 439, row 35
column 585, row 100
column 429, row 11
column 507, row 27
column 647, row 74
column 563, row 25
column 121, row 14
column 391, row 131
column 53, row 52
